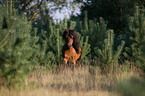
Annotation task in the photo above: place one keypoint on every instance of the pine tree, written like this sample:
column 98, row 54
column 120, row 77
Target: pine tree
column 15, row 46
column 95, row 30
column 136, row 29
column 107, row 56
column 85, row 46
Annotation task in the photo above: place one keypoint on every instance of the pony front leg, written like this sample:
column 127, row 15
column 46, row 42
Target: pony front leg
column 65, row 61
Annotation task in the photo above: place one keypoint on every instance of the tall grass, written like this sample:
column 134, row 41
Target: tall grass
column 83, row 81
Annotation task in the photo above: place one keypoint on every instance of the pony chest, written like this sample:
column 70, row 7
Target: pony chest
column 70, row 52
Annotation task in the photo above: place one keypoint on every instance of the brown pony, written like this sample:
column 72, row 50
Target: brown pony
column 71, row 49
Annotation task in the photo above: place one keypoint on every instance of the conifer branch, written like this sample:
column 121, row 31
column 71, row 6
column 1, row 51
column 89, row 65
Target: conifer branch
column 3, row 44
column 7, row 33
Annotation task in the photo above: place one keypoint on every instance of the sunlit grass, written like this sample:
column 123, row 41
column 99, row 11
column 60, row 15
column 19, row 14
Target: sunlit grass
column 69, row 82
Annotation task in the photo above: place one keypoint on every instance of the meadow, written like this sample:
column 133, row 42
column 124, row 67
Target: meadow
column 66, row 81
column 31, row 58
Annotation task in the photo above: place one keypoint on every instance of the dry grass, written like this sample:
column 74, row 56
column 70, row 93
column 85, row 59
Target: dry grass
column 68, row 82
column 48, row 92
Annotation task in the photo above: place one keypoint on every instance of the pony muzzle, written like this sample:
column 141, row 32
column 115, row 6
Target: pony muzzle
column 69, row 46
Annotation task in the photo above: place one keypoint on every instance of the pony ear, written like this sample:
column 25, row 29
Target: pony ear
column 65, row 33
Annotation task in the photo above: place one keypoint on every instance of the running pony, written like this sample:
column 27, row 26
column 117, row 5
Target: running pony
column 71, row 49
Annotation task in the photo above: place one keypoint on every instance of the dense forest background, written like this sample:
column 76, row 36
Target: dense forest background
column 111, row 34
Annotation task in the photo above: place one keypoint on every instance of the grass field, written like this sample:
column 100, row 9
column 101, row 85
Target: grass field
column 68, row 82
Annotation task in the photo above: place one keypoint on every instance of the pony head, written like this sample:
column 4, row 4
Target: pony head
column 68, row 36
